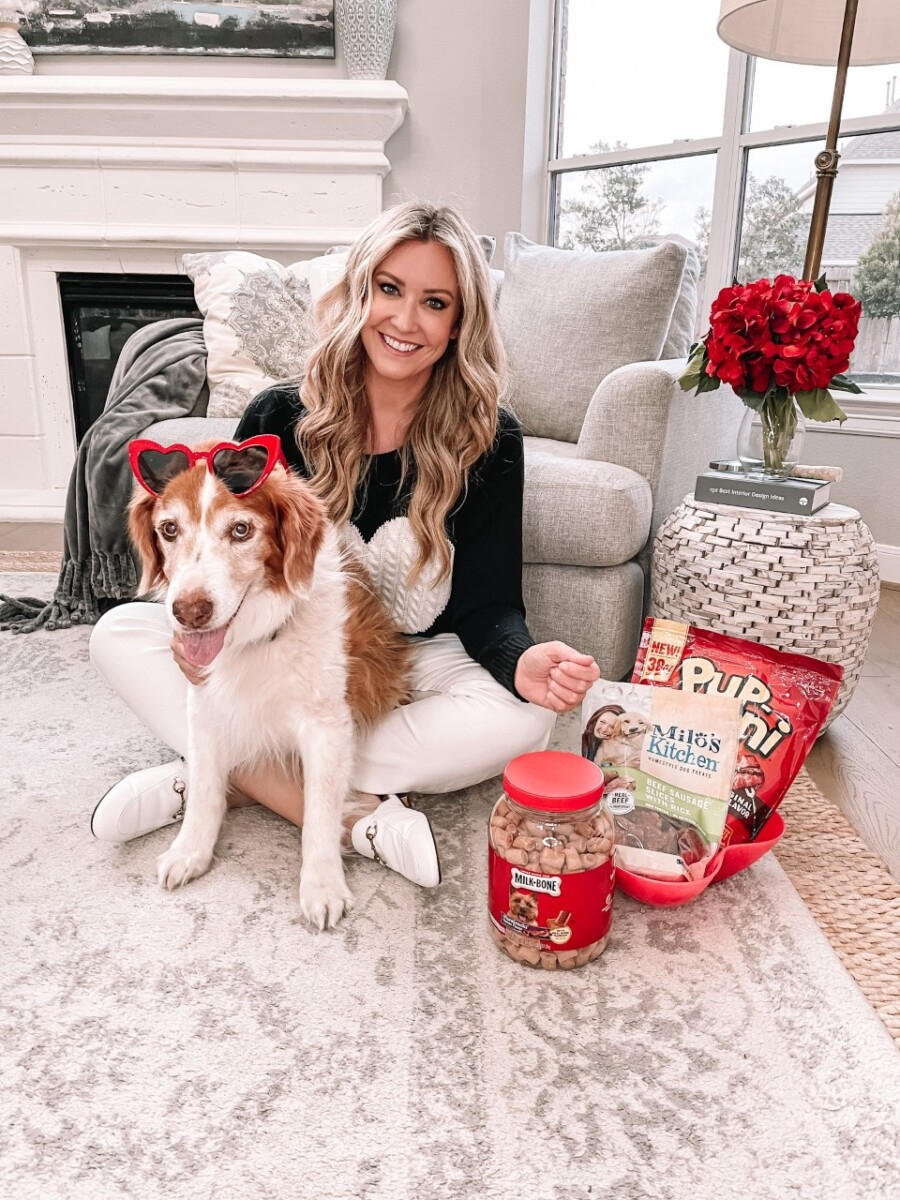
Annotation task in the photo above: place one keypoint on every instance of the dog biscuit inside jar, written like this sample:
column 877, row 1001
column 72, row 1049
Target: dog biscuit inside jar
column 551, row 878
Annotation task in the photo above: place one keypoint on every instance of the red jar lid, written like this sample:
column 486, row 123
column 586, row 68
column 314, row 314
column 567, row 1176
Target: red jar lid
column 553, row 780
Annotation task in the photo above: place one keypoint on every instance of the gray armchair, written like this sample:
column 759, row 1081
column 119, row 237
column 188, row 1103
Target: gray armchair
column 612, row 445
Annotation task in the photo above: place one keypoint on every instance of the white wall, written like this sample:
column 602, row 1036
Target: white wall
column 464, row 66
column 871, row 484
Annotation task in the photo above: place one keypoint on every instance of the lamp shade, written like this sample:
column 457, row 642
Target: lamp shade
column 809, row 31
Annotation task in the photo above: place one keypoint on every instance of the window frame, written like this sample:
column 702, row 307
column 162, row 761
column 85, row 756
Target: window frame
column 731, row 147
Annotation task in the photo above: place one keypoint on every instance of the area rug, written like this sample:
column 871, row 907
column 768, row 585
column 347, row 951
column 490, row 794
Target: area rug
column 205, row 1044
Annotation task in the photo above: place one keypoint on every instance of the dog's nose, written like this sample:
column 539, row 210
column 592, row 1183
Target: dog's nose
column 193, row 610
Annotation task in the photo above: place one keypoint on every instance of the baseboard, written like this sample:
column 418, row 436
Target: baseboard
column 48, row 504
column 889, row 563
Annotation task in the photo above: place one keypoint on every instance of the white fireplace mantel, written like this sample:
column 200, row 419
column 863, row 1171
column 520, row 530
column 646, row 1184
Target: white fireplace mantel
column 180, row 162
column 123, row 175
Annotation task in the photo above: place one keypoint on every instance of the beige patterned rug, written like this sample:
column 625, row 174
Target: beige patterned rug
column 205, row 1044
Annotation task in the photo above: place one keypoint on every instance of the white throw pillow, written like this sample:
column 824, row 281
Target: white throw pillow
column 257, row 321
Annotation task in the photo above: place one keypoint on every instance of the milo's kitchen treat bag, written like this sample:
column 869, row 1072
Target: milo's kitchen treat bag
column 786, row 699
column 668, row 760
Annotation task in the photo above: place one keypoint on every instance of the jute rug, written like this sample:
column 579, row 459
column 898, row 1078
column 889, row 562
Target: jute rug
column 30, row 560
column 850, row 893
column 206, row 1044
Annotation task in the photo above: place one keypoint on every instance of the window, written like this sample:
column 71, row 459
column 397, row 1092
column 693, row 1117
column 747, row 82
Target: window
column 642, row 101
column 621, row 207
column 661, row 129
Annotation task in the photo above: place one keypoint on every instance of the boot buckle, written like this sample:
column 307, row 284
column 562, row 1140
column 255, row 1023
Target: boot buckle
column 370, row 835
column 179, row 787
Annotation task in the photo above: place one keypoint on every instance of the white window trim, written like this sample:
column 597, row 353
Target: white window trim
column 874, row 413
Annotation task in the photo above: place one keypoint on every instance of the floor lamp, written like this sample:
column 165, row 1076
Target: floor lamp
column 850, row 33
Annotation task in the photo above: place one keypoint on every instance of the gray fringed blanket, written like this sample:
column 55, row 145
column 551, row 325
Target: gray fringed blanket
column 160, row 373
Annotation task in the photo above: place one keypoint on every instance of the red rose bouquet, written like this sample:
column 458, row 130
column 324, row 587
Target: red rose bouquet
column 777, row 343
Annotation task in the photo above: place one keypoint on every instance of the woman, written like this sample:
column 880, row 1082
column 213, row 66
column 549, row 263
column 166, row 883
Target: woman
column 600, row 728
column 397, row 425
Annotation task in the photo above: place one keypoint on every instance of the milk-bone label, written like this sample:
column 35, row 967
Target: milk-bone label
column 558, row 911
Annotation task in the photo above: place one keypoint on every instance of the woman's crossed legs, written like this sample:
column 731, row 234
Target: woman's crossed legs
column 461, row 727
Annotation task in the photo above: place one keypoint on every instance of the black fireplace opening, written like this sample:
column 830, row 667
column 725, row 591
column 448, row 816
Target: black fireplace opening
column 100, row 313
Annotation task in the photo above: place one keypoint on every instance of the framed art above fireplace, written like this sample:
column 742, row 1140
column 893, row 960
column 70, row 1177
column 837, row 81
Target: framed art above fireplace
column 278, row 28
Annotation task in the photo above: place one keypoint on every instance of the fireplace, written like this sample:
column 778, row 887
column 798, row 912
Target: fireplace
column 100, row 313
column 112, row 178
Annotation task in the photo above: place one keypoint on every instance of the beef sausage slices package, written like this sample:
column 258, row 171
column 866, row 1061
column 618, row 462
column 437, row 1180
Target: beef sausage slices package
column 668, row 758
column 786, row 699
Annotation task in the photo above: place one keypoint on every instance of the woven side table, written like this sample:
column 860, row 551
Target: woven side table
column 803, row 584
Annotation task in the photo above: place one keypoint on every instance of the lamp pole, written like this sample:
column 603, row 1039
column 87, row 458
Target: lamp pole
column 827, row 160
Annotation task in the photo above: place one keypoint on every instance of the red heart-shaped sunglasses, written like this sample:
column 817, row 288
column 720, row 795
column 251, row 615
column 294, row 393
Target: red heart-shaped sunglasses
column 241, row 466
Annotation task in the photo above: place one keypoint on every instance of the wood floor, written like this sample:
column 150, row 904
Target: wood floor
column 31, row 535
column 856, row 764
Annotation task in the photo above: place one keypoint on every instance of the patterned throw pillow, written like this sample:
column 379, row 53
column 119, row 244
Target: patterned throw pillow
column 257, row 322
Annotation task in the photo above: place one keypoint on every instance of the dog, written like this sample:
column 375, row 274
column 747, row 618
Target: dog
column 299, row 656
column 523, row 906
column 624, row 749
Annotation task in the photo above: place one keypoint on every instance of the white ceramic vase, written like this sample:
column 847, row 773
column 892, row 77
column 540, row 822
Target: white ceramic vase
column 15, row 55
column 366, row 32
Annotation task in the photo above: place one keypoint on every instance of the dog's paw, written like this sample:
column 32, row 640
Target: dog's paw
column 324, row 898
column 180, row 864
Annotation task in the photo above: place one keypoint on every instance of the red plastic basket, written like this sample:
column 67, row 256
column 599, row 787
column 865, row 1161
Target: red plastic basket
column 723, row 865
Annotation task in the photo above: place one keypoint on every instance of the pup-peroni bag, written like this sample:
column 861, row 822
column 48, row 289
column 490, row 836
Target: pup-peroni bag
column 668, row 760
column 786, row 699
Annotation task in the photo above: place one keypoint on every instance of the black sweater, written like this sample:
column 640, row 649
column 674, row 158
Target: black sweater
column 484, row 607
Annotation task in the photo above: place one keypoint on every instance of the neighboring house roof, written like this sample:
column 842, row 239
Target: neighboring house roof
column 847, row 235
column 873, row 145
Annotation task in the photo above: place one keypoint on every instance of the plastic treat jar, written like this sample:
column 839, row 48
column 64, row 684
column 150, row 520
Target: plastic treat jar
column 551, row 878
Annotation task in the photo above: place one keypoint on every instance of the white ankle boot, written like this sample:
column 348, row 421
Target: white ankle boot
column 394, row 834
column 401, row 838
column 141, row 802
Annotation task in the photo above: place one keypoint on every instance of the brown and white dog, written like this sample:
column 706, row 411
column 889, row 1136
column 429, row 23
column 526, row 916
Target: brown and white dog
column 523, row 906
column 624, row 748
column 298, row 650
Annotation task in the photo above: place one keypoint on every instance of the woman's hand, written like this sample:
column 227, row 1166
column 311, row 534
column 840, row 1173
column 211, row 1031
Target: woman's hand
column 193, row 674
column 555, row 676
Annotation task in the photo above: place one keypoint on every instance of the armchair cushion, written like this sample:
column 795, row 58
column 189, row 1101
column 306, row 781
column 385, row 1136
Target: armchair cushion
column 580, row 513
column 569, row 317
column 681, row 332
column 192, row 431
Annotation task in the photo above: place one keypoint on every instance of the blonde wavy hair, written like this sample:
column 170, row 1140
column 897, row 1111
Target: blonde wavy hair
column 457, row 418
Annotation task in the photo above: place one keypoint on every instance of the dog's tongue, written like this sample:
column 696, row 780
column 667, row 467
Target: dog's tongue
column 201, row 648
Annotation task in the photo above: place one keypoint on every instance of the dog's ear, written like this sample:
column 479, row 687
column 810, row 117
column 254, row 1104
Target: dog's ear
column 300, row 523
column 143, row 537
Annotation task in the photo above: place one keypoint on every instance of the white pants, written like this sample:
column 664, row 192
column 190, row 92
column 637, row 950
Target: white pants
column 462, row 726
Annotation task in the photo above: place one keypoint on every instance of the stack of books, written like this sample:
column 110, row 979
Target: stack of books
column 800, row 496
